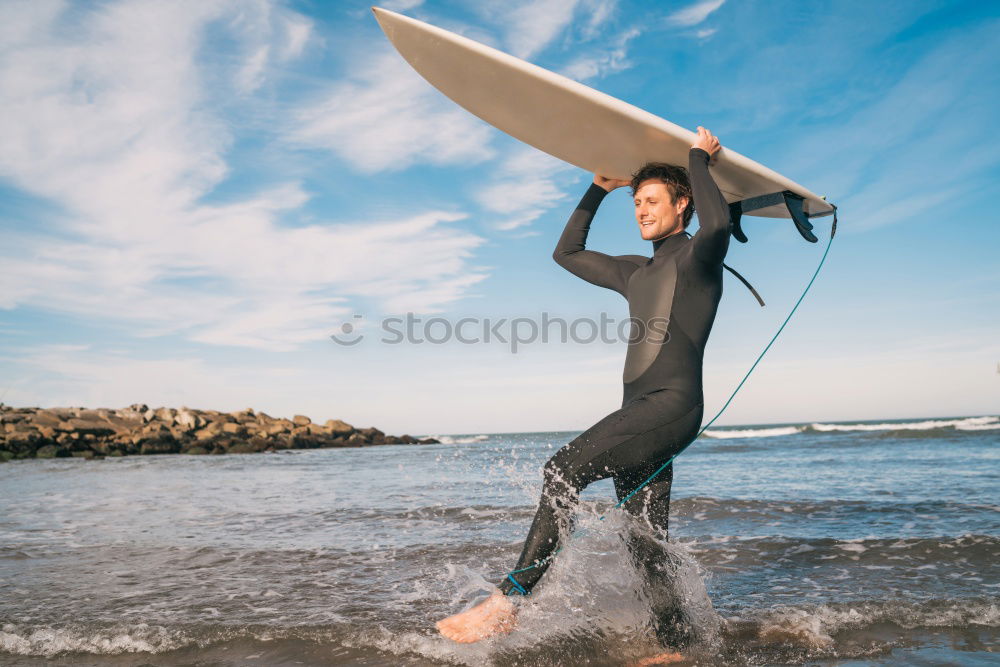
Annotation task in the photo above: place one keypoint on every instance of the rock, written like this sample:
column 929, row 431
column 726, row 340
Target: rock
column 244, row 415
column 212, row 430
column 274, row 428
column 138, row 429
column 338, row 427
column 159, row 447
column 80, row 425
column 46, row 419
column 249, row 446
column 154, row 430
column 188, row 420
column 5, row 455
column 49, row 452
column 124, row 425
column 178, row 433
column 106, row 447
column 134, row 411
column 166, row 415
column 373, row 435
column 195, row 451
column 234, row 429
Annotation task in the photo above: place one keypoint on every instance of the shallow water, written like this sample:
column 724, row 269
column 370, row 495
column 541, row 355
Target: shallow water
column 821, row 544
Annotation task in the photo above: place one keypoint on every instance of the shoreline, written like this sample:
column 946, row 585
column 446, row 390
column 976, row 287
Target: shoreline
column 77, row 432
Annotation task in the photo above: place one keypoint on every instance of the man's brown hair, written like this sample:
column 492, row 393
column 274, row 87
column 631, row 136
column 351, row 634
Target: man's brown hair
column 674, row 177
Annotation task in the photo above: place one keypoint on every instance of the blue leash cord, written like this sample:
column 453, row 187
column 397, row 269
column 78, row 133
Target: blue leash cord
column 833, row 231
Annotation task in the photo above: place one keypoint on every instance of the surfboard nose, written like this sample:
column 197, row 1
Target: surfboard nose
column 384, row 18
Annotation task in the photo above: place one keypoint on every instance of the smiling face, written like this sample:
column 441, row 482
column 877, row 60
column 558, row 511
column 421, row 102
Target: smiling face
column 656, row 212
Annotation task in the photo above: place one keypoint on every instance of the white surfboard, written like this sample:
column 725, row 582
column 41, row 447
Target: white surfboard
column 580, row 125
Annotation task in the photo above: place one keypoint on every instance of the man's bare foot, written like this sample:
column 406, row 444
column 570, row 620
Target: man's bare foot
column 660, row 659
column 493, row 615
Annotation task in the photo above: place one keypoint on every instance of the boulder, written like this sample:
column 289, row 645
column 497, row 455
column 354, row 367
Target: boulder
column 212, row 430
column 159, row 447
column 94, row 427
column 373, row 435
column 189, row 421
column 46, row 419
column 274, row 428
column 51, row 452
column 338, row 427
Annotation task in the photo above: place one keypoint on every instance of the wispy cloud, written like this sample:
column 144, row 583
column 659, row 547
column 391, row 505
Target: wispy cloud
column 525, row 187
column 531, row 26
column 399, row 5
column 601, row 12
column 694, row 14
column 611, row 60
column 388, row 117
column 118, row 123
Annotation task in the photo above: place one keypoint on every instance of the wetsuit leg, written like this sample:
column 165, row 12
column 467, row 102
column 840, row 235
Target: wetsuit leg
column 651, row 509
column 641, row 432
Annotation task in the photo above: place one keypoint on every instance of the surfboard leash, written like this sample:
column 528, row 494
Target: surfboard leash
column 833, row 232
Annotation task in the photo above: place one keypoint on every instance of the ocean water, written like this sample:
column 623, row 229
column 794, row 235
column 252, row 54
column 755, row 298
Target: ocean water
column 816, row 544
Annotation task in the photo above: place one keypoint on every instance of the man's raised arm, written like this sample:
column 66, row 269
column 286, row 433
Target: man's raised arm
column 711, row 242
column 571, row 253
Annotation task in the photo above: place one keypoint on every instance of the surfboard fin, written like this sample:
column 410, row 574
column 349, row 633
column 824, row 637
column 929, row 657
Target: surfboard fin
column 792, row 202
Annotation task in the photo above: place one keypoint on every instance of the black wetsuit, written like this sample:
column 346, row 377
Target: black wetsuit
column 662, row 403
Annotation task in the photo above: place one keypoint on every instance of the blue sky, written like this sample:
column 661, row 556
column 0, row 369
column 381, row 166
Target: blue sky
column 195, row 195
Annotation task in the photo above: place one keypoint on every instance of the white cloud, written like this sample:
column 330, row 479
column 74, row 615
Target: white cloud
column 705, row 32
column 600, row 12
column 116, row 122
column 389, row 117
column 400, row 5
column 694, row 14
column 614, row 59
column 297, row 31
column 525, row 187
column 531, row 26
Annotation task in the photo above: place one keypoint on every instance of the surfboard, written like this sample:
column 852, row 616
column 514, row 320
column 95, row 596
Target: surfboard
column 583, row 126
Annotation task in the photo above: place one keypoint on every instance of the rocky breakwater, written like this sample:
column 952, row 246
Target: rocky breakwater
column 139, row 429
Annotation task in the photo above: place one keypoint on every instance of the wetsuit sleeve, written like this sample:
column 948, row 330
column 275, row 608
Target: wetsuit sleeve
column 594, row 267
column 711, row 242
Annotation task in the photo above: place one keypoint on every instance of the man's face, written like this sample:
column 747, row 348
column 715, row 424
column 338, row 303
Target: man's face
column 656, row 212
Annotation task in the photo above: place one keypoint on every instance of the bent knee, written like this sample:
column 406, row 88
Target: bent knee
column 576, row 475
column 560, row 472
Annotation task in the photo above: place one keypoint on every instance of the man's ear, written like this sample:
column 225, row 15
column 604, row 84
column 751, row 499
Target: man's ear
column 681, row 204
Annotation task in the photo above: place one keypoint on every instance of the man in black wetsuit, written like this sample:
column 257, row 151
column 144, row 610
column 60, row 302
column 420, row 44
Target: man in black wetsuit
column 662, row 403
